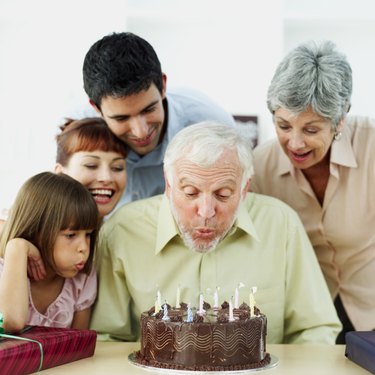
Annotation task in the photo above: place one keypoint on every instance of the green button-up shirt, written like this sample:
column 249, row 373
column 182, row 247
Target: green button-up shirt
column 141, row 253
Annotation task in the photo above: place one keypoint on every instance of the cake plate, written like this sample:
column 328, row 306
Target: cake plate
column 274, row 362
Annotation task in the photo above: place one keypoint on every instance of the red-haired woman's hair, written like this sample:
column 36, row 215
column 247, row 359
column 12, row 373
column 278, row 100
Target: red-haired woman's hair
column 88, row 134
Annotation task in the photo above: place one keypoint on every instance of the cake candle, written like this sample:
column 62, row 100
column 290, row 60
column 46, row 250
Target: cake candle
column 201, row 310
column 252, row 300
column 159, row 297
column 178, row 297
column 216, row 298
column 231, row 317
column 157, row 306
column 236, row 295
column 165, row 311
column 189, row 314
column 236, row 298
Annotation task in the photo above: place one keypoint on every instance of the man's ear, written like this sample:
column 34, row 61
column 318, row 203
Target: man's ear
column 97, row 110
column 164, row 87
column 246, row 189
column 167, row 185
column 58, row 168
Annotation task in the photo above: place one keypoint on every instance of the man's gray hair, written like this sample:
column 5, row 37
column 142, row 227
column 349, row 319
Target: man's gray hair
column 315, row 75
column 204, row 142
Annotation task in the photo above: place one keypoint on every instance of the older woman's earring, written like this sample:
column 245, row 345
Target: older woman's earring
column 337, row 136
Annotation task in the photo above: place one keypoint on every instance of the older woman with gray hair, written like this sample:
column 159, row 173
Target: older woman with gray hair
column 323, row 166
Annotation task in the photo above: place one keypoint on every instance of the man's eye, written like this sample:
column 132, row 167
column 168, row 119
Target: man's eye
column 149, row 110
column 310, row 131
column 121, row 119
column 222, row 197
column 190, row 194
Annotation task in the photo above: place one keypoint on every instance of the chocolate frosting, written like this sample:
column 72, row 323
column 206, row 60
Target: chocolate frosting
column 210, row 343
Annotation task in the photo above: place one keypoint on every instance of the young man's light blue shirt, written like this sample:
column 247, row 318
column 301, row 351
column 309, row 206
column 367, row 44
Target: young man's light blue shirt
column 145, row 173
column 185, row 107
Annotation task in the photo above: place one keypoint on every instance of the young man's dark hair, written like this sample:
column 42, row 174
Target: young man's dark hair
column 126, row 87
column 118, row 65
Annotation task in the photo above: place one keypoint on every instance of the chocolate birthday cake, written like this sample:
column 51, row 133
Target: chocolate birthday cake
column 215, row 340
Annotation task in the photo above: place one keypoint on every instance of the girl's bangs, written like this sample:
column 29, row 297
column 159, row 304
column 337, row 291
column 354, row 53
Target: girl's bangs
column 81, row 213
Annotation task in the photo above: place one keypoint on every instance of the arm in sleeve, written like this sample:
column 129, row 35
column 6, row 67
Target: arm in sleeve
column 14, row 283
column 111, row 314
column 86, row 291
column 310, row 315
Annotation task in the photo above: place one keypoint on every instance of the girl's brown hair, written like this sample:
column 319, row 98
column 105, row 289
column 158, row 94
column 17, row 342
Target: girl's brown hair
column 88, row 134
column 46, row 204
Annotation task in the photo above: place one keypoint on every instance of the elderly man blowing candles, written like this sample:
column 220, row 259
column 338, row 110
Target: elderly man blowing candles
column 207, row 231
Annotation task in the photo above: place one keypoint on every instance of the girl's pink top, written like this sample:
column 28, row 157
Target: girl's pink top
column 78, row 293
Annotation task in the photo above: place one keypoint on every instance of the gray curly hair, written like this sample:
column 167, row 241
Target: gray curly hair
column 313, row 75
column 203, row 143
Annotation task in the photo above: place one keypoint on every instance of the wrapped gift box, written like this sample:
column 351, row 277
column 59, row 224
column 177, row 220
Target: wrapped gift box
column 58, row 346
column 360, row 348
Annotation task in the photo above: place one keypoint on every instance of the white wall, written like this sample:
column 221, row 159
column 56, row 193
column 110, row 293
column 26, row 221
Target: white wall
column 351, row 25
column 42, row 46
column 227, row 49
column 216, row 46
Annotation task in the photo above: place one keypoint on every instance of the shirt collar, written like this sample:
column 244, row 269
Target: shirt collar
column 342, row 152
column 167, row 228
column 244, row 222
column 175, row 116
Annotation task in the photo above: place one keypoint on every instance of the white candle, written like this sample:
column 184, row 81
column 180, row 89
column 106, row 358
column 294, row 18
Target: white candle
column 251, row 304
column 236, row 299
column 159, row 297
column 178, row 297
column 216, row 298
column 252, row 300
column 231, row 317
column 236, row 295
column 157, row 306
column 201, row 310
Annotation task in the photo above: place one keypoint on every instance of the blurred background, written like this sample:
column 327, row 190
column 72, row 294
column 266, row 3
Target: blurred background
column 226, row 49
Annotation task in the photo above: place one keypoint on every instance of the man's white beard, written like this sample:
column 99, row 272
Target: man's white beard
column 188, row 239
column 199, row 248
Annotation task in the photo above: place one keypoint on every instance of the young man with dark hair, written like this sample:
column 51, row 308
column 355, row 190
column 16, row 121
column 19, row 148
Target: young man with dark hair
column 125, row 84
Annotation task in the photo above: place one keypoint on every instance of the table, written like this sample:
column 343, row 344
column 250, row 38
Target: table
column 112, row 358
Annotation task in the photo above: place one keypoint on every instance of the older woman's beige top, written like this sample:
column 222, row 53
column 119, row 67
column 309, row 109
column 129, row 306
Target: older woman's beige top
column 342, row 231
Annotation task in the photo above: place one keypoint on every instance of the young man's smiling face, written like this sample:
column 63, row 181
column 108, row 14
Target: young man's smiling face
column 138, row 119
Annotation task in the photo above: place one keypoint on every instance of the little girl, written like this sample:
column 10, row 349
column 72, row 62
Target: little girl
column 47, row 246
